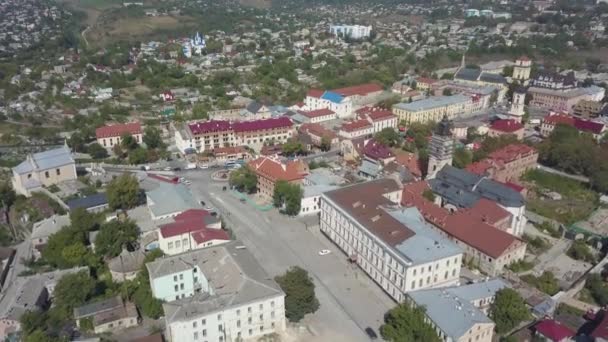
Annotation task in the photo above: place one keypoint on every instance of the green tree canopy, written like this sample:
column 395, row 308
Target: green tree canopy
column 152, row 137
column 405, row 323
column 288, row 196
column 244, row 180
column 138, row 156
column 71, row 291
column 97, row 151
column 128, row 142
column 388, row 136
column 114, row 236
column 299, row 291
column 123, row 192
column 462, row 158
column 508, row 310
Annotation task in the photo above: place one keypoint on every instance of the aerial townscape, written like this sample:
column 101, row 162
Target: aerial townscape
column 303, row 170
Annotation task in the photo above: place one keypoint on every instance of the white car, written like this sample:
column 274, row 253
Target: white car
column 187, row 182
column 168, row 168
column 204, row 166
column 324, row 252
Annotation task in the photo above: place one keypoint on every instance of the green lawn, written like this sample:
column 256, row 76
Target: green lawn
column 577, row 203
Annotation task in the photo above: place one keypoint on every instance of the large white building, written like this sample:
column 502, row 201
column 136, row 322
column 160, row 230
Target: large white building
column 217, row 294
column 394, row 246
column 208, row 135
column 319, row 99
column 351, row 31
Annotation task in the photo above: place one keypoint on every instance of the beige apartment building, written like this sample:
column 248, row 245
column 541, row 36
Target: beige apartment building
column 433, row 109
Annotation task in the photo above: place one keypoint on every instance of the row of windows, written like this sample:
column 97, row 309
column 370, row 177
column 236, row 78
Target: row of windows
column 178, row 244
column 239, row 335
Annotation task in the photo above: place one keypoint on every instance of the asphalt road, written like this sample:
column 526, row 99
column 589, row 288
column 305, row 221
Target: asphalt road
column 350, row 301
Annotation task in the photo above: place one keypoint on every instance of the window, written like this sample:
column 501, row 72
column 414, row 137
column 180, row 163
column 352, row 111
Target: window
column 249, row 309
column 249, row 320
column 196, row 279
column 181, row 286
column 196, row 335
column 176, row 297
column 238, row 323
column 175, row 278
column 238, row 335
column 261, row 306
column 261, row 328
column 203, row 321
column 177, row 244
column 170, row 246
column 181, row 277
column 184, row 242
column 272, row 314
column 238, row 312
column 261, row 317
column 220, row 327
column 219, row 317
column 194, row 324
column 58, row 171
column 46, row 174
column 175, row 287
column 111, row 325
column 446, row 275
column 250, row 332
column 204, row 332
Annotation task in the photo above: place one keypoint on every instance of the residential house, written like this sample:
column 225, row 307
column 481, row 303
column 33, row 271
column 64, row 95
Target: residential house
column 551, row 330
column 42, row 230
column 271, row 170
column 316, row 116
column 380, row 118
column 393, row 246
column 110, row 135
column 108, row 315
column 318, row 134
column 94, row 203
column 231, row 154
column 217, row 293
column 191, row 229
column 506, row 127
column 507, row 164
column 126, row 265
column 356, row 129
column 318, row 99
column 425, row 84
column 588, row 109
column 459, row 314
column 44, row 169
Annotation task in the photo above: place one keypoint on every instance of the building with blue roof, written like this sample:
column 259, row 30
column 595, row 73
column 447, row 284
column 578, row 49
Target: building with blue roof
column 44, row 169
column 332, row 97
column 460, row 313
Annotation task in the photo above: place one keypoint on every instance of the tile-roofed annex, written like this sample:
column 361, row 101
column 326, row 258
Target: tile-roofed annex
column 210, row 126
column 276, row 170
column 506, row 125
column 317, row 113
column 409, row 160
column 554, row 330
column 317, row 130
column 377, row 151
column 190, row 221
column 315, row 93
column 511, row 152
column 117, row 130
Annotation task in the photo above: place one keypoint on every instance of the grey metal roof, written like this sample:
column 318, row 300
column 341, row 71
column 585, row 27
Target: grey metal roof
column 433, row 102
column 235, row 278
column 127, row 261
column 45, row 160
column 468, row 74
column 463, row 189
column 427, row 245
column 171, row 198
column 369, row 168
column 91, row 201
column 453, row 314
column 492, row 78
column 317, row 190
column 94, row 308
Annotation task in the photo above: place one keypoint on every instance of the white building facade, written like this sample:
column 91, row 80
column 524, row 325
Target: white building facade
column 351, row 31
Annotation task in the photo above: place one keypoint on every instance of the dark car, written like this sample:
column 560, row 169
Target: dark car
column 177, row 169
column 371, row 333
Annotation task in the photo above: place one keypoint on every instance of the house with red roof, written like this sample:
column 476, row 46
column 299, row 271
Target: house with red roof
column 596, row 129
column 507, row 164
column 318, row 115
column 474, row 229
column 356, row 129
column 380, row 118
column 317, row 133
column 342, row 100
column 425, row 83
column 271, row 170
column 505, row 127
column 554, row 331
column 192, row 229
column 167, row 96
column 361, row 94
column 110, row 135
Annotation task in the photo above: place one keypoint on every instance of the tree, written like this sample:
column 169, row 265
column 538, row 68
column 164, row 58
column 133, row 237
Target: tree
column 71, row 291
column 299, row 291
column 597, row 288
column 462, row 158
column 293, row 147
column 579, row 250
column 288, row 196
column 7, row 197
column 142, row 296
column 325, row 144
column 152, row 137
column 77, row 142
column 244, row 180
column 447, row 92
column 407, row 323
column 128, row 142
column 388, row 136
column 114, row 236
column 123, row 192
column 97, row 151
column 138, row 156
column 491, row 144
column 508, row 310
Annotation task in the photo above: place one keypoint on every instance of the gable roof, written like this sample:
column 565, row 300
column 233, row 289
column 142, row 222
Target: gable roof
column 49, row 159
column 357, row 125
column 554, row 330
column 361, row 89
column 506, row 125
column 87, row 202
column 276, row 170
column 116, row 130
column 210, row 126
column 315, row 93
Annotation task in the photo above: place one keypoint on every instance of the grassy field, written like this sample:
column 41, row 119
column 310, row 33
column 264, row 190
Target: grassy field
column 577, row 202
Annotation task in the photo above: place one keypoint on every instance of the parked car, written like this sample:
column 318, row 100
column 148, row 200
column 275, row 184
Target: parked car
column 324, row 252
column 371, row 333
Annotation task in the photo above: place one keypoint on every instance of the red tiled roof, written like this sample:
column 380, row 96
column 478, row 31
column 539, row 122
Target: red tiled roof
column 317, row 130
column 258, row 125
column 511, row 152
column 229, row 150
column 354, row 126
column 524, row 58
column 589, row 126
column 409, row 161
column 275, row 170
column 376, row 150
column 362, row 89
column 553, row 330
column 426, row 80
column 205, row 235
column 480, row 167
column 506, row 126
column 317, row 113
column 315, row 93
column 117, row 130
column 487, row 211
column 189, row 221
column 601, row 329
column 558, row 119
column 210, row 127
